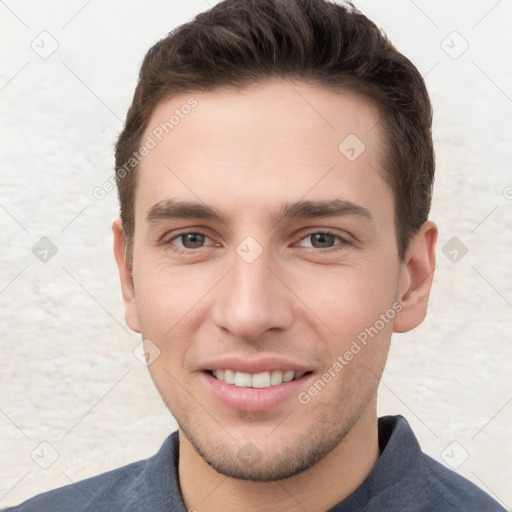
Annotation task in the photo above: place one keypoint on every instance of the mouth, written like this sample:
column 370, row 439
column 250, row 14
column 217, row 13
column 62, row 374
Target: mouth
column 255, row 392
column 260, row 380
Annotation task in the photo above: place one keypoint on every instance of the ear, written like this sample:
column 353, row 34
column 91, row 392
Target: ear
column 416, row 276
column 125, row 274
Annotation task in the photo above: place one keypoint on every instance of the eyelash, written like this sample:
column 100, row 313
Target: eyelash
column 343, row 242
column 168, row 244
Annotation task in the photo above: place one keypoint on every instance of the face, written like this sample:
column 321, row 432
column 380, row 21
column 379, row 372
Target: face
column 264, row 251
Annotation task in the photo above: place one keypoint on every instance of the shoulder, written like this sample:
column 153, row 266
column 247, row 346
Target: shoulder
column 149, row 484
column 407, row 479
column 451, row 492
column 112, row 489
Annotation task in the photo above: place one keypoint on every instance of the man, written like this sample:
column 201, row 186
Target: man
column 275, row 175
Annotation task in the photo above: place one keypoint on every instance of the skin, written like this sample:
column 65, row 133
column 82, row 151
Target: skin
column 245, row 153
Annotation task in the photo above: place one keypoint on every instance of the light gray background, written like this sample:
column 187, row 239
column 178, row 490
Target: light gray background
column 68, row 377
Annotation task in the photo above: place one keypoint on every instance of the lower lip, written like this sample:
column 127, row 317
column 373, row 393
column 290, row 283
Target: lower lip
column 253, row 399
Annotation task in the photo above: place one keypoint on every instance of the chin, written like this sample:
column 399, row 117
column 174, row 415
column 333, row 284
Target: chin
column 264, row 460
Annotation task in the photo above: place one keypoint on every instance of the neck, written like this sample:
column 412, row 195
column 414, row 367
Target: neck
column 317, row 489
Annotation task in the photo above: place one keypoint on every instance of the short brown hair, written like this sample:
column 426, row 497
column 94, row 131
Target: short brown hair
column 240, row 42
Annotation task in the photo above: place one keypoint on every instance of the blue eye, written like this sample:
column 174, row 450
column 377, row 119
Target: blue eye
column 322, row 240
column 193, row 242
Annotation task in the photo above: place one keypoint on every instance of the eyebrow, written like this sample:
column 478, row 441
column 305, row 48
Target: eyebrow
column 172, row 209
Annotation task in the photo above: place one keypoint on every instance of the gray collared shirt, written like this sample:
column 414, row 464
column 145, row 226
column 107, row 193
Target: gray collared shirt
column 403, row 479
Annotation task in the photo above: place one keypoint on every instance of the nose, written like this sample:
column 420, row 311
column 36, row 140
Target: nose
column 252, row 299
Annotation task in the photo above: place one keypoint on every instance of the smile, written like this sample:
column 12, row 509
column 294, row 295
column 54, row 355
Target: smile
column 257, row 380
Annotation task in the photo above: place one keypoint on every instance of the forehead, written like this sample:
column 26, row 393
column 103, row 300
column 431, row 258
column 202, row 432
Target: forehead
column 276, row 141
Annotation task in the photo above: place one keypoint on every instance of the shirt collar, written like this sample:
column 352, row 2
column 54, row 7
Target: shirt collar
column 399, row 452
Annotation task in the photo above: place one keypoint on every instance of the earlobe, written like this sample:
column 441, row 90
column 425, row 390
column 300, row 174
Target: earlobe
column 416, row 278
column 126, row 277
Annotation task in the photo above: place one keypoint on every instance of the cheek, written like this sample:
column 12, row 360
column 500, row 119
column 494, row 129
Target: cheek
column 168, row 296
column 171, row 305
column 347, row 300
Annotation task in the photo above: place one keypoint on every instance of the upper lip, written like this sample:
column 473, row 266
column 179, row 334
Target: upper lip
column 255, row 365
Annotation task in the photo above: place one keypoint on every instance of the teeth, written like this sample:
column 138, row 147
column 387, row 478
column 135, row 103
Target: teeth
column 243, row 379
column 261, row 380
column 257, row 380
column 288, row 376
column 229, row 376
column 276, row 377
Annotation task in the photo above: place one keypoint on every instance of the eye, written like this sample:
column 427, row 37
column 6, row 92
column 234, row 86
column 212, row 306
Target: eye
column 322, row 240
column 188, row 242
